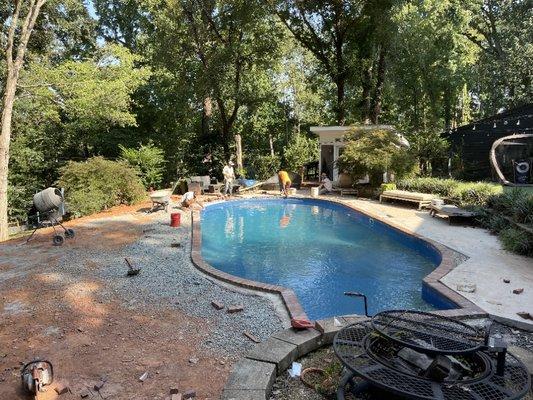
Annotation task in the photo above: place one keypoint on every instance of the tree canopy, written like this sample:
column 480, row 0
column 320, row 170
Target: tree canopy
column 185, row 76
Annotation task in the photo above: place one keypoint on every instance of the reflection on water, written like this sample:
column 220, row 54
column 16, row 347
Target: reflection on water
column 319, row 251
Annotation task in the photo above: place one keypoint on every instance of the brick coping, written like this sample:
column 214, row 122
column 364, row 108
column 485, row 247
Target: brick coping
column 430, row 282
column 253, row 376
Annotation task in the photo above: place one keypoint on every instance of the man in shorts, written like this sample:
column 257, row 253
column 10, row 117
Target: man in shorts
column 284, row 182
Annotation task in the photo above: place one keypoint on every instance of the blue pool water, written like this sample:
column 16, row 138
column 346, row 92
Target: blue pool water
column 320, row 250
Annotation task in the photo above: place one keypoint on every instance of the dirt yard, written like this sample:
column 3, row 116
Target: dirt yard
column 74, row 306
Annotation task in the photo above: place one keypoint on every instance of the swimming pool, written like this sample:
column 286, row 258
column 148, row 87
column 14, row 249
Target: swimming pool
column 319, row 249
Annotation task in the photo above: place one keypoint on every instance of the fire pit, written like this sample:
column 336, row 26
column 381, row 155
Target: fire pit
column 420, row 355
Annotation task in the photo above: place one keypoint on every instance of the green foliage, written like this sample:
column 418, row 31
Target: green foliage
column 429, row 148
column 264, row 167
column 98, row 184
column 516, row 203
column 374, row 152
column 387, row 186
column 148, row 160
column 462, row 193
column 300, row 151
column 517, row 241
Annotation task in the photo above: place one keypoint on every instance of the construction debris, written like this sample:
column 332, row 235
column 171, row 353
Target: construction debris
column 234, row 309
column 251, row 337
column 143, row 377
column 61, row 387
column 189, row 394
column 176, row 396
column 99, row 385
column 505, row 280
column 174, row 390
column 175, row 244
column 518, row 291
column 131, row 269
column 85, row 393
column 217, row 305
column 525, row 315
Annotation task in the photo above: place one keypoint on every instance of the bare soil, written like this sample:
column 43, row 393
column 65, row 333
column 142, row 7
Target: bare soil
column 88, row 340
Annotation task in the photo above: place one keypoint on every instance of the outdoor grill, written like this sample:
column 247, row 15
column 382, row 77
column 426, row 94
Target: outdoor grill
column 419, row 355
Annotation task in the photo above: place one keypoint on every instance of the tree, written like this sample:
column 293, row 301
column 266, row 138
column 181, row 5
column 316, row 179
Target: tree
column 17, row 37
column 225, row 46
column 503, row 32
column 375, row 152
column 326, row 29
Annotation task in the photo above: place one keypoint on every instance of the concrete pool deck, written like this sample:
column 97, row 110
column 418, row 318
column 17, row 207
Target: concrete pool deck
column 488, row 264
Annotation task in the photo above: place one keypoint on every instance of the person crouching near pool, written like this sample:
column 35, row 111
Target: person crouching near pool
column 325, row 184
column 189, row 199
column 284, row 182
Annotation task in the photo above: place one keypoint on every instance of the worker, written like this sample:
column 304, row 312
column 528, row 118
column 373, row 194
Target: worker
column 284, row 182
column 325, row 184
column 229, row 177
column 190, row 198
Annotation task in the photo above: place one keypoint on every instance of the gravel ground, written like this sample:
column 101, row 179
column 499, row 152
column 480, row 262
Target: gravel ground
column 169, row 279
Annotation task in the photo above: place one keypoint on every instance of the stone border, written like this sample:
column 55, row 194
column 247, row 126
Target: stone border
column 431, row 284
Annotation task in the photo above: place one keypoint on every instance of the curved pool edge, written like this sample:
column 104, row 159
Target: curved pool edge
column 432, row 287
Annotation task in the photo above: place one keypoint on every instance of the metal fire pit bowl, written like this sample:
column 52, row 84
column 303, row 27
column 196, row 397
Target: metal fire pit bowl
column 428, row 333
column 370, row 355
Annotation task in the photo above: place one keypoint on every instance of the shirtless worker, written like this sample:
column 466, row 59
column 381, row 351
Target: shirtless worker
column 284, row 182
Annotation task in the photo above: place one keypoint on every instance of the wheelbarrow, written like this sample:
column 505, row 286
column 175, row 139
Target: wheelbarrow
column 161, row 198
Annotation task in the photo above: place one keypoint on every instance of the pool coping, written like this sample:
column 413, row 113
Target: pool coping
column 430, row 282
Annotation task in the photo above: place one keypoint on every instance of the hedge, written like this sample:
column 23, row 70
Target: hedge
column 462, row 193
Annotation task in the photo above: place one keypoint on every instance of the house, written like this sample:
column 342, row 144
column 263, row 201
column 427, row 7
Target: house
column 470, row 145
column 331, row 139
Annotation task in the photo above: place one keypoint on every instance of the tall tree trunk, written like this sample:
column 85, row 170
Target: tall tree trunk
column 238, row 147
column 447, row 110
column 378, row 93
column 341, row 107
column 271, row 142
column 13, row 67
column 367, row 87
column 5, row 138
column 207, row 112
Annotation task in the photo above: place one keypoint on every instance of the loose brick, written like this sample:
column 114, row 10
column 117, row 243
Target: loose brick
column 217, row 305
column 62, row 387
column 251, row 337
column 174, row 389
column 235, row 309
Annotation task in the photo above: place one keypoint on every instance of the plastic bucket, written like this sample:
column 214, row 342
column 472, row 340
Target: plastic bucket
column 175, row 219
column 437, row 202
column 314, row 192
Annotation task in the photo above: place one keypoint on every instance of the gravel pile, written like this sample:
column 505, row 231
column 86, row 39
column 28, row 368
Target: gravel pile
column 169, row 279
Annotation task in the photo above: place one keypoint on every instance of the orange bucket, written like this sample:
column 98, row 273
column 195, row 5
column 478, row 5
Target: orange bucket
column 175, row 219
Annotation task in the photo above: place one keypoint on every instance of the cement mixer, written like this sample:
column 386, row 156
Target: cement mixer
column 50, row 206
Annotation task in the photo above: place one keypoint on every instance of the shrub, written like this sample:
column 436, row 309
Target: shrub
column 387, row 186
column 264, row 167
column 98, row 184
column 462, row 193
column 516, row 203
column 374, row 152
column 517, row 241
column 148, row 160
column 301, row 151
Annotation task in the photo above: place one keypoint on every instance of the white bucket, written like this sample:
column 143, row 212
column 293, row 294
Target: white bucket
column 437, row 202
column 292, row 191
column 314, row 192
